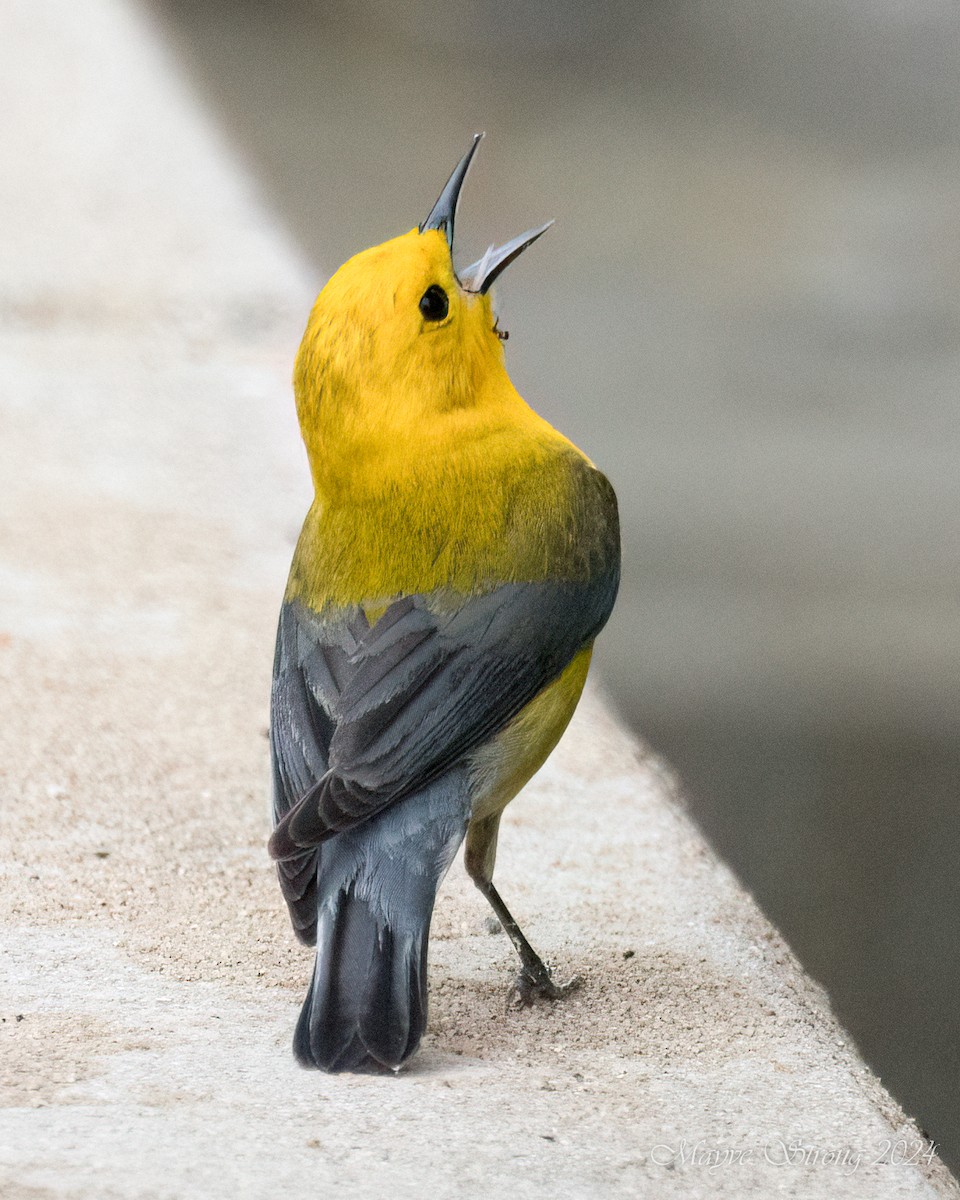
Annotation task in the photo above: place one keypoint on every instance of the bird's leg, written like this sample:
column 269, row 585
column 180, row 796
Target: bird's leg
column 534, row 978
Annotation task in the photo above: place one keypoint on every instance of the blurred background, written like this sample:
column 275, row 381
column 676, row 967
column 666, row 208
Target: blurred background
column 749, row 315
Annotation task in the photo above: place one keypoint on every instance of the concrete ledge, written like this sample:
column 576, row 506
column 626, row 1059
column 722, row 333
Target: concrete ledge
column 153, row 485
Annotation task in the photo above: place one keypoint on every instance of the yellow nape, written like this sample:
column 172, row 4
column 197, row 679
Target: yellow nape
column 375, row 379
column 422, row 452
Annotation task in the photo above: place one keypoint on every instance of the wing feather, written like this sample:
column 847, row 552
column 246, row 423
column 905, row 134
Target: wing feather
column 363, row 715
column 427, row 687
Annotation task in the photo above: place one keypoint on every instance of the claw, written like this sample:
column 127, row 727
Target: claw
column 527, row 988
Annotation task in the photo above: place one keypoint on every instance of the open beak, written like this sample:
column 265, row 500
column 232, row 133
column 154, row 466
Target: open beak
column 443, row 212
column 479, row 276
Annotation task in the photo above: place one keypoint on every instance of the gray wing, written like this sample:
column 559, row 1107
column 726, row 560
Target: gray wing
column 365, row 715
column 305, row 675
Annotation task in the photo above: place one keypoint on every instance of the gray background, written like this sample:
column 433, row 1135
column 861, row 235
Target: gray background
column 748, row 315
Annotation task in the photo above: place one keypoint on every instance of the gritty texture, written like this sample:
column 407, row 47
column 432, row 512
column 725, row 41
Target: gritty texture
column 153, row 485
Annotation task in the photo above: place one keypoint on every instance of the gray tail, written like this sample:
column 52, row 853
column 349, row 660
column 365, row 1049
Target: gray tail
column 367, row 1004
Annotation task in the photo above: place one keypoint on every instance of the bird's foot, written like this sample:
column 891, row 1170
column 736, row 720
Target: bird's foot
column 539, row 984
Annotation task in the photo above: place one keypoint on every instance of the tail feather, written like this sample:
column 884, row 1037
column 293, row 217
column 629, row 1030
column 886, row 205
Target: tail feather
column 367, row 1004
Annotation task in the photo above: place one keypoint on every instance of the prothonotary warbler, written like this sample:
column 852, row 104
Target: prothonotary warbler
column 457, row 563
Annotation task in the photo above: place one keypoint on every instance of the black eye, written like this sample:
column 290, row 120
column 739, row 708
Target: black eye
column 434, row 303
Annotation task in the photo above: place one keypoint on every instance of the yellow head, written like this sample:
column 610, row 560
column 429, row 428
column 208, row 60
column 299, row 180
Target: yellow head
column 398, row 350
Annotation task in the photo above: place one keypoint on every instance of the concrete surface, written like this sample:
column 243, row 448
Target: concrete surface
column 749, row 312
column 152, row 487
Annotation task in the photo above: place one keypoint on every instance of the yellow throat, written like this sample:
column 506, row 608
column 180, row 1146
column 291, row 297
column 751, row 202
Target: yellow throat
column 430, row 470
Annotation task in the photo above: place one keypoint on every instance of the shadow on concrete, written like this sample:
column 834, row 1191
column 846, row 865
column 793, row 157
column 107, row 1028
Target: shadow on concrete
column 747, row 314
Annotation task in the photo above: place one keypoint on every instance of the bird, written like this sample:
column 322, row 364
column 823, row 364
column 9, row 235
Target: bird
column 456, row 564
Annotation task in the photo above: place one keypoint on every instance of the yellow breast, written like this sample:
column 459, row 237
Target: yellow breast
column 501, row 766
